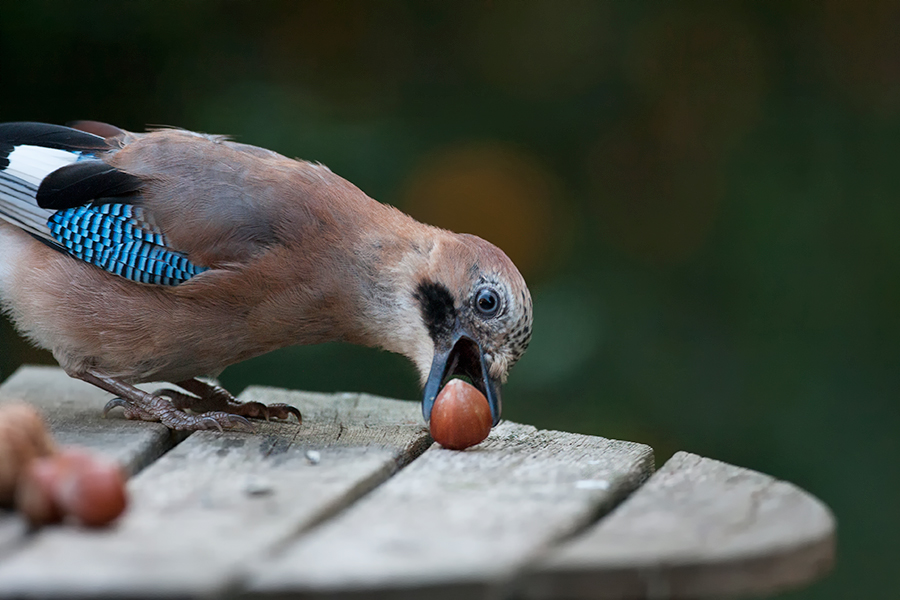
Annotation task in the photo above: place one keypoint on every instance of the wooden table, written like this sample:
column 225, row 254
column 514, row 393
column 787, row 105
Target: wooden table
column 358, row 502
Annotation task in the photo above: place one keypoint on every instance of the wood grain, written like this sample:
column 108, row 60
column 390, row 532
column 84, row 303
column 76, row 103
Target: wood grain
column 460, row 524
column 699, row 528
column 217, row 504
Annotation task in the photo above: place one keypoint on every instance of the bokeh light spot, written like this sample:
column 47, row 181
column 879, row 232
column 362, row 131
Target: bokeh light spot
column 492, row 190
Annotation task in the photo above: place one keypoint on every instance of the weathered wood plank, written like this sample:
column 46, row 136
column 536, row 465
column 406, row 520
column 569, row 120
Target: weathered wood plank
column 217, row 503
column 459, row 524
column 73, row 410
column 699, row 528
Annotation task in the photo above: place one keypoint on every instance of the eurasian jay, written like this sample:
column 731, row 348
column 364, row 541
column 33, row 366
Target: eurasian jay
column 169, row 255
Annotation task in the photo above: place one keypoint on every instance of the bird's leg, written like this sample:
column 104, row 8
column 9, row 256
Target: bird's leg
column 138, row 404
column 211, row 397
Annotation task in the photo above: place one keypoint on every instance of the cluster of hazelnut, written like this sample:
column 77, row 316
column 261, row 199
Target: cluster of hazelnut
column 48, row 484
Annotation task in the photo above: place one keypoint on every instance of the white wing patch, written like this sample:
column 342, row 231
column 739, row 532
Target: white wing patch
column 33, row 163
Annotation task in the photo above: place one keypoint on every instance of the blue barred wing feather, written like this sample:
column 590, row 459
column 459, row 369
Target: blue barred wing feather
column 120, row 239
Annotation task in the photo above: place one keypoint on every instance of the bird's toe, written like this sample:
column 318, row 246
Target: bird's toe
column 258, row 410
column 284, row 412
column 222, row 421
column 130, row 410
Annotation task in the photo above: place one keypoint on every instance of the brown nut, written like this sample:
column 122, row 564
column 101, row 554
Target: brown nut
column 34, row 492
column 461, row 416
column 89, row 488
column 74, row 483
column 23, row 437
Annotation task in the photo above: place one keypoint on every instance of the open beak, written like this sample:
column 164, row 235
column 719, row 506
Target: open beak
column 463, row 357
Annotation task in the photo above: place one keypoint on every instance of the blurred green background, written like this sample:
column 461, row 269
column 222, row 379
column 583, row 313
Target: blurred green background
column 702, row 196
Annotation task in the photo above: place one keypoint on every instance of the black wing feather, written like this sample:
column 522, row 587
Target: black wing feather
column 83, row 182
column 49, row 136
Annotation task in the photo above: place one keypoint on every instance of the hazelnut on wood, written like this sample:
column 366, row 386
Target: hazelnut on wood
column 461, row 416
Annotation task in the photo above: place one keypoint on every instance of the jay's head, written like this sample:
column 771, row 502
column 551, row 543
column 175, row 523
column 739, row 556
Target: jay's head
column 477, row 311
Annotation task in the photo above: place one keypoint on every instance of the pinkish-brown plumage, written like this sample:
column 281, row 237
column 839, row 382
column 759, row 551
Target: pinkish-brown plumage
column 294, row 255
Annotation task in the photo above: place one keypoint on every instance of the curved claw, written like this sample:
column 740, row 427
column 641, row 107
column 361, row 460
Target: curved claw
column 243, row 422
column 280, row 411
column 132, row 411
column 222, row 420
column 115, row 403
column 205, row 420
column 292, row 410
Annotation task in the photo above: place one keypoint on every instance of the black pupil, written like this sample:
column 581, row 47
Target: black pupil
column 487, row 302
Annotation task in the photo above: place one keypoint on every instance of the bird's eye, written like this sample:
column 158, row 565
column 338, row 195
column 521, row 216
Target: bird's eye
column 487, row 302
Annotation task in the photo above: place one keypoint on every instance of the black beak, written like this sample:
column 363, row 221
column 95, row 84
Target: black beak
column 465, row 357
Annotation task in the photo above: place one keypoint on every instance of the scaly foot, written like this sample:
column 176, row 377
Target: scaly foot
column 138, row 404
column 211, row 397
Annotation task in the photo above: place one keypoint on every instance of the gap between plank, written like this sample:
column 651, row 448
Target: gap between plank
column 238, row 583
column 508, row 588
